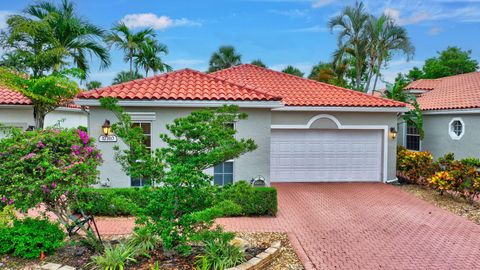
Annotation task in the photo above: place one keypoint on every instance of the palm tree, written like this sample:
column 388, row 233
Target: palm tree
column 386, row 38
column 126, row 76
column 293, row 71
column 93, row 85
column 13, row 60
column 225, row 57
column 123, row 38
column 148, row 57
column 413, row 117
column 352, row 21
column 78, row 37
column 258, row 63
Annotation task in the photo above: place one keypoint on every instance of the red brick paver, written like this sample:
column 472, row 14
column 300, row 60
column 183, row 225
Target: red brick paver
column 367, row 226
column 360, row 226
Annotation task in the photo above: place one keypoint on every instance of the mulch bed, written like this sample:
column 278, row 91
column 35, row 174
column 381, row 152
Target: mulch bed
column 454, row 204
column 258, row 242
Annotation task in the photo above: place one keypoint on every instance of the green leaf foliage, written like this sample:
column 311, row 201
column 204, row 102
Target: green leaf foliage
column 27, row 238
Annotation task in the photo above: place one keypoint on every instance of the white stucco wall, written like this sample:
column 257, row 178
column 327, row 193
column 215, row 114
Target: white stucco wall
column 256, row 127
column 22, row 117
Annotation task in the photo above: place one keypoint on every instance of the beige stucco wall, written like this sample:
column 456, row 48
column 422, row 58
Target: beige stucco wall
column 345, row 118
column 256, row 127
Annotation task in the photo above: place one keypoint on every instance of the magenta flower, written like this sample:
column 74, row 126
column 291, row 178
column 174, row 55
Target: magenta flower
column 29, row 156
column 11, row 201
column 54, row 185
column 40, row 144
column 83, row 136
column 4, row 199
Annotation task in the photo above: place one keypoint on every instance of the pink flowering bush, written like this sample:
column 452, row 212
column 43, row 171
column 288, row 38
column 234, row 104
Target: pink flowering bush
column 46, row 167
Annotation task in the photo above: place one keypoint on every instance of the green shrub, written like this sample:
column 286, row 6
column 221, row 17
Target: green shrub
column 473, row 162
column 254, row 201
column 114, row 257
column 110, row 201
column 27, row 238
column 144, row 240
column 218, row 253
column 7, row 215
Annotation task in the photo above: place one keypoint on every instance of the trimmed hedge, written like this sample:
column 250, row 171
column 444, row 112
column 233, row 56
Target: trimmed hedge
column 110, row 201
column 253, row 201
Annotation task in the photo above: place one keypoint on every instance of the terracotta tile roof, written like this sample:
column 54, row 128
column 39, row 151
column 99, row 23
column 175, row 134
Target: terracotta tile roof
column 296, row 91
column 454, row 92
column 184, row 84
column 423, row 84
column 12, row 97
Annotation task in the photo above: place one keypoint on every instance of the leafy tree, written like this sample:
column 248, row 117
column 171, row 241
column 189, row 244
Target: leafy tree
column 396, row 91
column 93, row 85
column 126, row 76
column 293, row 71
column 352, row 38
column 225, row 57
column 328, row 73
column 452, row 61
column 259, row 63
column 124, row 39
column 148, row 57
column 14, row 61
column 385, row 38
column 180, row 211
column 78, row 37
column 46, row 167
column 414, row 74
column 33, row 44
column 46, row 93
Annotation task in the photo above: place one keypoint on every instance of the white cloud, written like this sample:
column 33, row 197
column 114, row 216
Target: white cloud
column 434, row 31
column 312, row 29
column 322, row 3
column 4, row 14
column 140, row 20
column 294, row 13
column 412, row 19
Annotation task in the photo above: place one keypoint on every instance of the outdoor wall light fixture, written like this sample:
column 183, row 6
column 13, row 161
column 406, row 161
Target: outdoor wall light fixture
column 106, row 127
column 393, row 133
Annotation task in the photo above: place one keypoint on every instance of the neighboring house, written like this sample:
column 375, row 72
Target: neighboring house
column 16, row 110
column 451, row 116
column 306, row 131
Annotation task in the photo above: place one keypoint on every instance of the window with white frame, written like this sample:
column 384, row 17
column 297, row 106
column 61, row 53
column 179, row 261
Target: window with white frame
column 456, row 128
column 412, row 138
column 147, row 132
column 223, row 173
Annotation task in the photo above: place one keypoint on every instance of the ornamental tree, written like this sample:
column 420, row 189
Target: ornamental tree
column 181, row 209
column 46, row 167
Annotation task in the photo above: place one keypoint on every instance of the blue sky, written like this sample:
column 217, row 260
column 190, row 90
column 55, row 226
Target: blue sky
column 279, row 32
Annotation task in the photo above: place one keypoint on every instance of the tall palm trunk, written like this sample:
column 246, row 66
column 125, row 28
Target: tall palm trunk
column 377, row 73
column 131, row 63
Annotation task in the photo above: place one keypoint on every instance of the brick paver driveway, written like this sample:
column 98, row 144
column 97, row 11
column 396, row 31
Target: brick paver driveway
column 367, row 226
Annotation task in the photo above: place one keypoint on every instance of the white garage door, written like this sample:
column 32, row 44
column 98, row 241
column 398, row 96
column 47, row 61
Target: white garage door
column 326, row 155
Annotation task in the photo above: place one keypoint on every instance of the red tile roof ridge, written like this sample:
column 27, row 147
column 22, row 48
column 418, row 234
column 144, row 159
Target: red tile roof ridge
column 401, row 104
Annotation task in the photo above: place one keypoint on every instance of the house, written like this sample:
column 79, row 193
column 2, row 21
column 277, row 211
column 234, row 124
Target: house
column 451, row 116
column 16, row 110
column 306, row 131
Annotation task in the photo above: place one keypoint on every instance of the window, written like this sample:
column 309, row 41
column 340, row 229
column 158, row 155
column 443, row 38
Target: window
column 147, row 132
column 413, row 138
column 223, row 173
column 456, row 128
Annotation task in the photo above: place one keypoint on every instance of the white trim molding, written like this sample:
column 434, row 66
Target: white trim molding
column 457, row 111
column 452, row 134
column 142, row 116
column 185, row 103
column 341, row 109
column 384, row 128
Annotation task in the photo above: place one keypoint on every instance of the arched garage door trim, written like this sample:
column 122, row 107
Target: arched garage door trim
column 383, row 128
